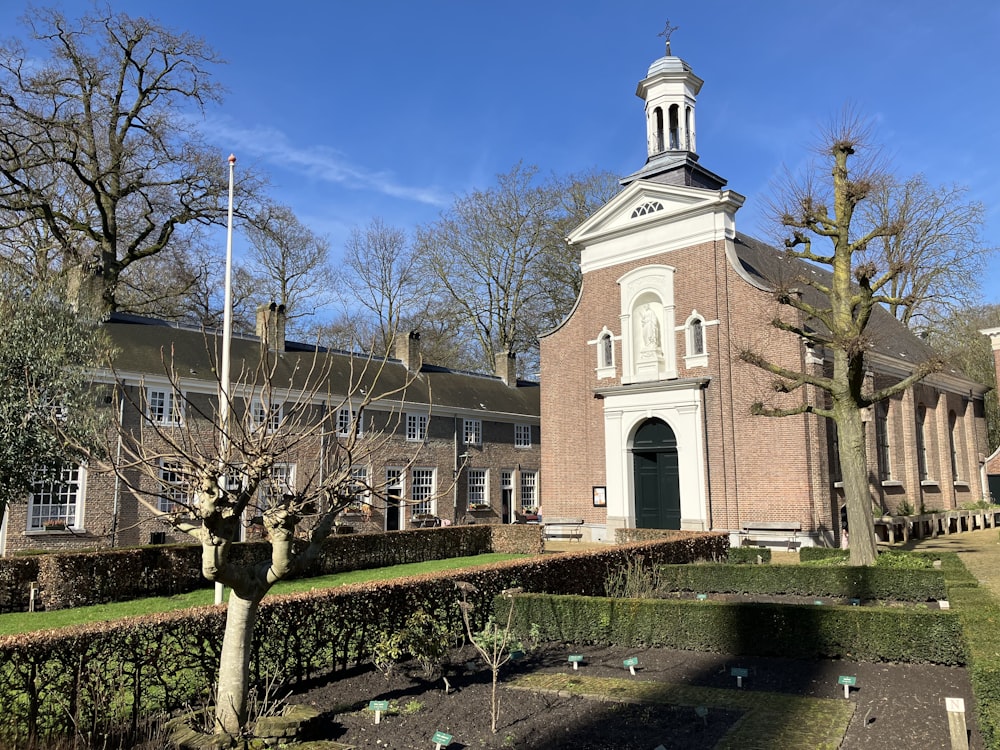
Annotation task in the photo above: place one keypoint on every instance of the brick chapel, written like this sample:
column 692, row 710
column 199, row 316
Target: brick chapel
column 645, row 402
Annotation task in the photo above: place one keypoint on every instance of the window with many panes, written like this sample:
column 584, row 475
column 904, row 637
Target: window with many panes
column 416, row 427
column 522, row 436
column 56, row 499
column 347, row 420
column 478, row 489
column 423, row 491
column 163, row 406
column 173, row 494
column 359, row 484
column 265, row 414
column 473, row 431
column 280, row 481
column 529, row 489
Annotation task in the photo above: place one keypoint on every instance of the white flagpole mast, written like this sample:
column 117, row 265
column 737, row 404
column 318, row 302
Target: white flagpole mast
column 227, row 345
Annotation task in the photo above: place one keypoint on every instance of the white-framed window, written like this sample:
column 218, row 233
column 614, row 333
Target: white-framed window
column 416, row 427
column 359, row 484
column 529, row 489
column 163, row 407
column 522, row 436
column 348, row 421
column 472, row 430
column 57, row 499
column 953, row 447
column 423, row 491
column 696, row 354
column 605, row 345
column 174, row 492
column 280, row 481
column 479, row 492
column 266, row 414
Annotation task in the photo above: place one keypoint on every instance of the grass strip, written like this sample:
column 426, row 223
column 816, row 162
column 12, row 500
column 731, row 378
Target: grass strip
column 25, row 622
column 771, row 719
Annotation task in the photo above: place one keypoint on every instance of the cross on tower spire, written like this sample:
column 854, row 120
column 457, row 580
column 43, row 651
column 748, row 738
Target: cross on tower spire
column 667, row 31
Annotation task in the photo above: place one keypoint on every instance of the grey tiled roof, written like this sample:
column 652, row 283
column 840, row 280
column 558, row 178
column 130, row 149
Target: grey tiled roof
column 888, row 336
column 145, row 344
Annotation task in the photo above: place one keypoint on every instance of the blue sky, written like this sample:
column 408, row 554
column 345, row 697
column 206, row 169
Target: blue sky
column 393, row 108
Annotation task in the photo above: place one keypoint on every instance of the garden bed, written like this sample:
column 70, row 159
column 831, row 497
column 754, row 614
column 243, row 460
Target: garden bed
column 894, row 705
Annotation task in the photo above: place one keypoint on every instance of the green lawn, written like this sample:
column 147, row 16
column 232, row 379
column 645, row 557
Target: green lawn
column 23, row 622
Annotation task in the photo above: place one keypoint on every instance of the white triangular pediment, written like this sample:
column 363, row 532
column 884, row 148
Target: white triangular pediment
column 649, row 218
column 643, row 203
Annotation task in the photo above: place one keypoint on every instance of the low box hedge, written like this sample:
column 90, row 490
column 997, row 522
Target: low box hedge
column 749, row 555
column 848, row 582
column 796, row 631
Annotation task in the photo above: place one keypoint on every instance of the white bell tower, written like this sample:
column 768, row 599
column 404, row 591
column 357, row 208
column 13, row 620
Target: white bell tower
column 669, row 90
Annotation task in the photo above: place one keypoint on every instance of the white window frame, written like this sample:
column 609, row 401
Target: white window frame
column 41, row 506
column 529, row 490
column 268, row 487
column 174, row 491
column 423, row 485
column 346, row 417
column 472, row 431
column 606, row 368
column 416, row 428
column 522, row 435
column 259, row 416
column 359, row 483
column 695, row 356
column 169, row 409
column 478, row 486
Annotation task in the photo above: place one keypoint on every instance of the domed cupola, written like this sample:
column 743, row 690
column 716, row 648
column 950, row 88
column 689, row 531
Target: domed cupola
column 670, row 90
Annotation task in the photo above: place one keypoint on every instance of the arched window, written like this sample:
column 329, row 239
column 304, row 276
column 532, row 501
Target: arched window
column 696, row 353
column 658, row 134
column 605, row 345
column 882, row 441
column 953, row 446
column 921, row 442
column 697, row 336
column 607, row 349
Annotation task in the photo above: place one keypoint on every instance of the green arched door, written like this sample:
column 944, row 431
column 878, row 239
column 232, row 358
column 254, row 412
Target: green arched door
column 657, row 479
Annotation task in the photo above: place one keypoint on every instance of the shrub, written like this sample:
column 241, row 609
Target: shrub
column 748, row 555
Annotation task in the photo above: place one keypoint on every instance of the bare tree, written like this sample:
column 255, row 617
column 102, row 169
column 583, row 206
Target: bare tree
column 938, row 249
column 289, row 262
column 380, row 274
column 499, row 262
column 96, row 141
column 211, row 476
column 837, row 318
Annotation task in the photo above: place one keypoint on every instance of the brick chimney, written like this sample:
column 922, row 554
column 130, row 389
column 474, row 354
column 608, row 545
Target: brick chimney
column 408, row 351
column 507, row 368
column 271, row 326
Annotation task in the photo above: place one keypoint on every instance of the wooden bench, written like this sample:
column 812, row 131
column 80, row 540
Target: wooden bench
column 568, row 528
column 789, row 528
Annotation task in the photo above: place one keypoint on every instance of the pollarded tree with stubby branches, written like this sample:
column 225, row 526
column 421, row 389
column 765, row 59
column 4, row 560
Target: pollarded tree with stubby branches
column 213, row 476
column 837, row 318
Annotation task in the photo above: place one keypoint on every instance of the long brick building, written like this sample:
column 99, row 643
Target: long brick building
column 646, row 403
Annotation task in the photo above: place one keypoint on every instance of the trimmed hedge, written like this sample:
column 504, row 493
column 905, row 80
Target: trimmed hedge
column 99, row 675
column 807, row 554
column 796, row 631
column 847, row 582
column 980, row 615
column 80, row 579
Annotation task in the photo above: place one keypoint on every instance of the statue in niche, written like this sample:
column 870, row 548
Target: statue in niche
column 650, row 328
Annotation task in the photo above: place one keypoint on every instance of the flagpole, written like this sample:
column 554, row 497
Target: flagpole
column 227, row 345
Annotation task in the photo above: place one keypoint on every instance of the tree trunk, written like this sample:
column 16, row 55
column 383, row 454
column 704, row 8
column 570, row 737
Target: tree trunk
column 854, row 470
column 234, row 665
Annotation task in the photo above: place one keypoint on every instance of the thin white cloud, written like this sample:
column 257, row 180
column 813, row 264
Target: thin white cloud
column 318, row 162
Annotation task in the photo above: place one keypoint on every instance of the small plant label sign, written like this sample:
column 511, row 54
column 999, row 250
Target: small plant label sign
column 739, row 673
column 848, row 681
column 378, row 707
column 702, row 713
column 440, row 740
column 702, row 597
column 943, row 604
column 630, row 664
column 516, row 655
column 855, row 602
column 576, row 660
column 818, row 602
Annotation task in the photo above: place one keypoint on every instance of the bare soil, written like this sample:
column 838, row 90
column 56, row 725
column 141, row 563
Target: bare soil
column 897, row 705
